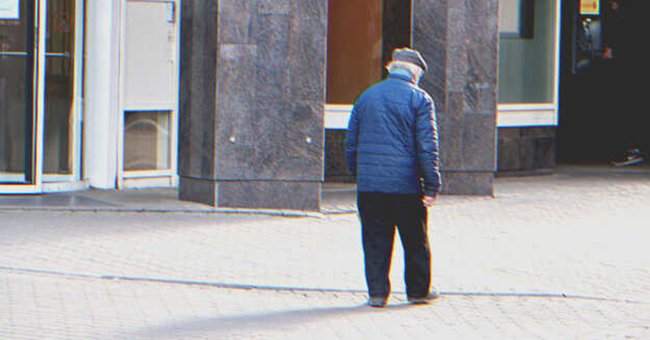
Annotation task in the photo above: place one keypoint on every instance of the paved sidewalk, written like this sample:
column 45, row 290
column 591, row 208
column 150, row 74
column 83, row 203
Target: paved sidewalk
column 562, row 256
column 336, row 198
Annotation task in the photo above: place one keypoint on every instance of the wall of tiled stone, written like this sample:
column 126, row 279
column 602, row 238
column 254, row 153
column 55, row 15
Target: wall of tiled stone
column 459, row 40
column 253, row 86
column 252, row 103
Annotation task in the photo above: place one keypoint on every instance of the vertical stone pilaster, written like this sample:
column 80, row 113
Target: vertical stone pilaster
column 459, row 41
column 252, row 103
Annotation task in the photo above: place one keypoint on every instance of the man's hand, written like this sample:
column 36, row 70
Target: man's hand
column 429, row 200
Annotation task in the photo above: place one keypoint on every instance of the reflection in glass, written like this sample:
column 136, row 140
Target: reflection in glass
column 527, row 66
column 12, row 119
column 354, row 59
column 59, row 78
column 147, row 140
column 16, row 57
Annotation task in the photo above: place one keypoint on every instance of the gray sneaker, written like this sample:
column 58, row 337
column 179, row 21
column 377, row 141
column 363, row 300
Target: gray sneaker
column 434, row 293
column 377, row 302
column 631, row 157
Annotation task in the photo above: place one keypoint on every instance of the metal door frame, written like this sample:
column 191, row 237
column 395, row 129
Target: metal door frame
column 72, row 181
column 35, row 142
column 49, row 183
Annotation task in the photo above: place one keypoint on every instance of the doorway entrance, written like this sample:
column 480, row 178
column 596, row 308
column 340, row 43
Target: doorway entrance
column 39, row 94
column 603, row 105
column 149, row 94
column 361, row 38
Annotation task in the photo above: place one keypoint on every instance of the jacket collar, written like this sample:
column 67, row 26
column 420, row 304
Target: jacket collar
column 401, row 76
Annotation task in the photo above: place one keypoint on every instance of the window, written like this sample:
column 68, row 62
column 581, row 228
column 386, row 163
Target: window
column 355, row 47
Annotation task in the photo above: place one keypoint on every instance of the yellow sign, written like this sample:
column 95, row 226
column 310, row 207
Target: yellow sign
column 589, row 7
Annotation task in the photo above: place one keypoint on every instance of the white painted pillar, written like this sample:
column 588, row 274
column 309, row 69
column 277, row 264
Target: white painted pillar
column 101, row 92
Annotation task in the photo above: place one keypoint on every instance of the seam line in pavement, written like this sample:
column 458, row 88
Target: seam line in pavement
column 268, row 212
column 240, row 286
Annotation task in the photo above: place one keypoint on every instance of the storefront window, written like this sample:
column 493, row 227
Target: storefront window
column 362, row 35
column 527, row 58
column 147, row 140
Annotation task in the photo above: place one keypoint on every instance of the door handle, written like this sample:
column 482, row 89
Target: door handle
column 24, row 54
column 14, row 54
column 59, row 55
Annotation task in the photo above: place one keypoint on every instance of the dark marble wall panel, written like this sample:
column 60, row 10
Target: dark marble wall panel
column 197, row 89
column 274, row 6
column 457, row 47
column 460, row 46
column 271, row 101
column 236, row 102
column 308, row 41
column 430, row 38
column 470, row 183
column 266, row 118
column 526, row 150
column 482, row 45
column 272, row 79
column 282, row 142
column 235, row 20
column 270, row 195
column 479, row 143
column 450, row 124
column 198, row 190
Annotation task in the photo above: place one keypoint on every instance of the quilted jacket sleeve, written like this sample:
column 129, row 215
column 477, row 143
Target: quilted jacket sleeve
column 351, row 142
column 426, row 141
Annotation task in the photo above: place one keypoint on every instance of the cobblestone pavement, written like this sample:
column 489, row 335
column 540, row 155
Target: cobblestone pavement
column 563, row 256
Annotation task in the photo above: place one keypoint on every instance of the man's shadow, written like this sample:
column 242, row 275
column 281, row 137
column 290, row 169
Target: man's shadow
column 222, row 326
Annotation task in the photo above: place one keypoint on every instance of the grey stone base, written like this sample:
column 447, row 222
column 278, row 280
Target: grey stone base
column 527, row 150
column 197, row 190
column 285, row 195
column 468, row 183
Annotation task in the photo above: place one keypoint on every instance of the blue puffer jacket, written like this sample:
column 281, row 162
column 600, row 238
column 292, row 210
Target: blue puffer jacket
column 392, row 139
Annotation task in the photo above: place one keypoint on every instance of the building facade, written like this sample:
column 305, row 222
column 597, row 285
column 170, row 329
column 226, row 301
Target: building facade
column 242, row 103
column 89, row 94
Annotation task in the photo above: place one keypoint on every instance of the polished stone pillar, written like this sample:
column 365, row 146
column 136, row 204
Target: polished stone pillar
column 459, row 41
column 252, row 103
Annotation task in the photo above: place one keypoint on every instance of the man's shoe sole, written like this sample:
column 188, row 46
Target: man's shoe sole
column 377, row 302
column 423, row 300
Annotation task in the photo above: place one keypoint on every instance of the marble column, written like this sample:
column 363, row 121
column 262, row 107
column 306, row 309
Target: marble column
column 252, row 103
column 459, row 38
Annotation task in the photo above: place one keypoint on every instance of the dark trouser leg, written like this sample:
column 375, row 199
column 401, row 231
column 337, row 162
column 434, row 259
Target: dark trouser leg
column 378, row 233
column 411, row 217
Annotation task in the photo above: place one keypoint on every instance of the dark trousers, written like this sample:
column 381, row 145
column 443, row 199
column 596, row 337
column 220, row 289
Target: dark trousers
column 380, row 213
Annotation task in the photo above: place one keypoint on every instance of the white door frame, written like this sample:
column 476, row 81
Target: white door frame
column 100, row 102
column 148, row 178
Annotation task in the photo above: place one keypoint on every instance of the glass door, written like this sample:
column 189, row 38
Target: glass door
column 61, row 126
column 18, row 92
column 39, row 94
